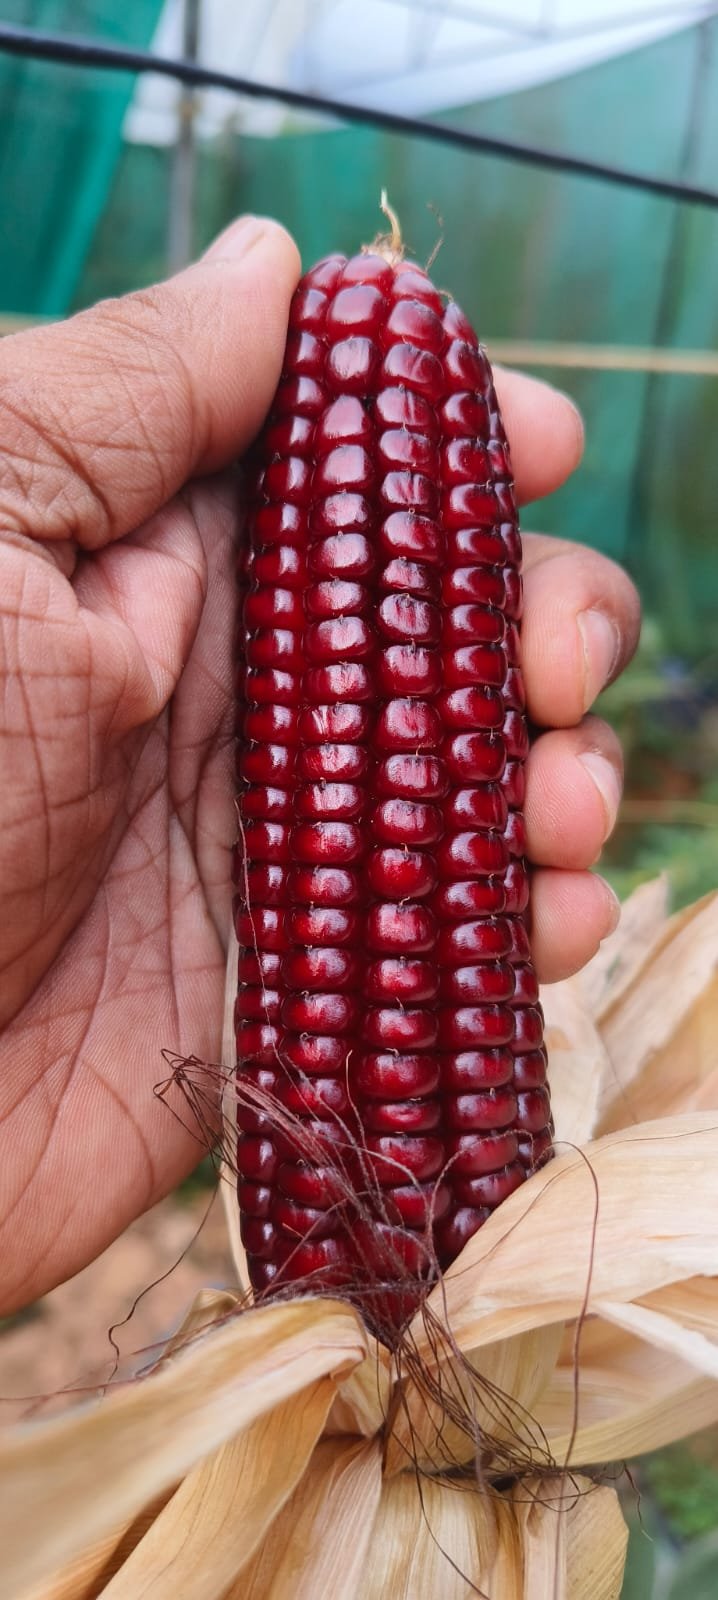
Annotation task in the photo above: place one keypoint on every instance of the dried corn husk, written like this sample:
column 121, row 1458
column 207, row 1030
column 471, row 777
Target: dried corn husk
column 256, row 1462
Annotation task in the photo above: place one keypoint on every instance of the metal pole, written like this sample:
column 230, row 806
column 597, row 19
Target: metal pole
column 180, row 228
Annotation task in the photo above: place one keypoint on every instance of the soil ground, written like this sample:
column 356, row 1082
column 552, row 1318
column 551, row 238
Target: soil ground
column 62, row 1342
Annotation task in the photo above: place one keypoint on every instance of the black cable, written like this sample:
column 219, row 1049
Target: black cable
column 84, row 52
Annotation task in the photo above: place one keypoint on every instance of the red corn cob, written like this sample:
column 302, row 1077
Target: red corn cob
column 387, row 998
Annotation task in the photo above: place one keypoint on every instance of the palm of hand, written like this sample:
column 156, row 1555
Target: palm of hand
column 114, row 948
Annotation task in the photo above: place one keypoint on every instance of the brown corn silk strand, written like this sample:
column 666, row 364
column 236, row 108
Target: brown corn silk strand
column 391, row 1068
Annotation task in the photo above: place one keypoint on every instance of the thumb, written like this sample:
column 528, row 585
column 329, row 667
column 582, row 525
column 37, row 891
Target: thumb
column 106, row 415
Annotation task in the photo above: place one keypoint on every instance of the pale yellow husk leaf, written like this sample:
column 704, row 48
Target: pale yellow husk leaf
column 518, row 1367
column 208, row 1308
column 661, row 1029
column 580, row 1064
column 573, row 1538
column 694, row 1303
column 580, row 1060
column 639, row 1213
column 536, row 1260
column 697, row 1349
column 89, row 1573
column 630, row 1397
column 117, row 1456
column 635, row 1035
column 363, row 1398
column 85, row 1575
column 222, row 1511
column 548, row 1540
column 419, row 1524
column 319, row 1544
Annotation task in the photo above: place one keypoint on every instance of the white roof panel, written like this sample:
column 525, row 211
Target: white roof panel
column 411, row 56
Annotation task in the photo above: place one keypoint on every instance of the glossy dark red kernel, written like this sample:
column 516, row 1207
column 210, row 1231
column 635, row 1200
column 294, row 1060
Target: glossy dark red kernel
column 409, row 670
column 411, row 578
column 342, row 762
column 407, row 533
column 381, row 882
column 401, row 874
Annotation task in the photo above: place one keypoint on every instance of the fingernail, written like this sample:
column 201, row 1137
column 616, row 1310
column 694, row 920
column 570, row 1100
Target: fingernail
column 604, row 775
column 601, row 649
column 613, row 904
column 236, row 240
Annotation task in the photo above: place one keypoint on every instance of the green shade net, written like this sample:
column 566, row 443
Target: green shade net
column 60, row 140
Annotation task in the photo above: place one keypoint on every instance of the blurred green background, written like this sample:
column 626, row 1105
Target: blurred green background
column 533, row 256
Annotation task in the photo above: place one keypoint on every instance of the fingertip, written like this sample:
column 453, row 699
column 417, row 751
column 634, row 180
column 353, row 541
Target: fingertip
column 574, row 780
column 545, row 430
column 572, row 913
column 574, row 427
column 613, row 906
column 580, row 628
column 249, row 233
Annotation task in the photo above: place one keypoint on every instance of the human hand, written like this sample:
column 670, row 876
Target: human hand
column 116, row 808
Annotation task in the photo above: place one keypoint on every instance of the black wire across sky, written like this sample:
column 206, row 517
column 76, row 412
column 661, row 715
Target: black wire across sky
column 72, row 50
